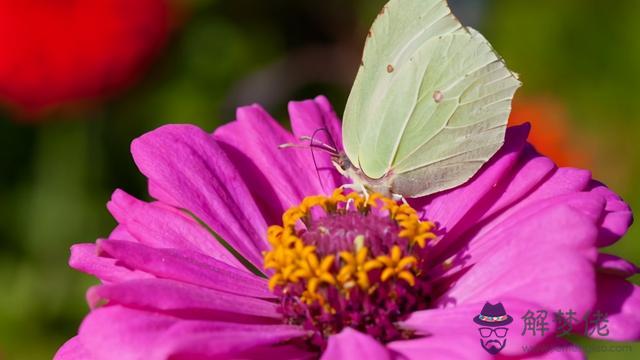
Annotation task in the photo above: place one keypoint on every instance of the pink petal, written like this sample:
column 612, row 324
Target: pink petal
column 183, row 299
column 164, row 227
column 288, row 352
column 72, row 350
column 565, row 183
column 561, row 181
column 307, row 117
column 144, row 335
column 620, row 301
column 352, row 344
column 450, row 209
column 614, row 265
column 445, row 347
column 261, row 343
column 483, row 241
column 617, row 218
column 587, row 204
column 536, row 185
column 458, row 321
column 157, row 192
column 84, row 257
column 546, row 258
column 189, row 166
column 523, row 227
column 280, row 178
column 120, row 232
column 531, row 171
column 189, row 267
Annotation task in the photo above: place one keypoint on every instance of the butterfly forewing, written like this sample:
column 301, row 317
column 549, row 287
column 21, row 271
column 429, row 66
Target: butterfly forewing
column 430, row 103
column 402, row 27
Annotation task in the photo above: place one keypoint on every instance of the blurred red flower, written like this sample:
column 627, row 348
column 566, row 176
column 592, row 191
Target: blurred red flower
column 551, row 132
column 53, row 52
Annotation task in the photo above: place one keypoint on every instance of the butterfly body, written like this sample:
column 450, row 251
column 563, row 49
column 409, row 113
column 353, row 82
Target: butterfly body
column 361, row 181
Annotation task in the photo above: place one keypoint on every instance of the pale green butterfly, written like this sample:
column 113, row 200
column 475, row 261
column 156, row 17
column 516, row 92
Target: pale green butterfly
column 429, row 105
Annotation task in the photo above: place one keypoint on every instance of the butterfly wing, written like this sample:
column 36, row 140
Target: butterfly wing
column 460, row 116
column 430, row 103
column 401, row 28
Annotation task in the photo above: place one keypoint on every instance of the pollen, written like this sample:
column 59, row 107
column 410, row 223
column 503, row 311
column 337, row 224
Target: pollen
column 345, row 260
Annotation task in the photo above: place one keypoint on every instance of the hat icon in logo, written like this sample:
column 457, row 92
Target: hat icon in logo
column 493, row 320
column 493, row 315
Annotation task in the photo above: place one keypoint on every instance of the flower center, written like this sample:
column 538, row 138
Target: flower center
column 349, row 261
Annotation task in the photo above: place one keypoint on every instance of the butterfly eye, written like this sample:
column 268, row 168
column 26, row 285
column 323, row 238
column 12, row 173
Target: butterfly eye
column 343, row 161
column 346, row 164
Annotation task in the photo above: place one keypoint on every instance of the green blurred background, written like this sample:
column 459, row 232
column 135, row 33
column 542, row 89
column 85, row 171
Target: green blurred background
column 579, row 61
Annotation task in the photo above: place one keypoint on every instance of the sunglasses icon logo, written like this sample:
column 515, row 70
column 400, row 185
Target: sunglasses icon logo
column 486, row 332
column 492, row 324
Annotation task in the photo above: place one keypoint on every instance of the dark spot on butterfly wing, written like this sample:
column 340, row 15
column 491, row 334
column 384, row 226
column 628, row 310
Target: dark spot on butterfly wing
column 438, row 96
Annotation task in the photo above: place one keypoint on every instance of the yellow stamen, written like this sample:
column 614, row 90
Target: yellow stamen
column 396, row 266
column 293, row 261
column 408, row 277
column 356, row 268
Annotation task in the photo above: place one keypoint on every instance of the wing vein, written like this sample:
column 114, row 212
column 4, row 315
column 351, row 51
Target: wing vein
column 453, row 155
column 420, row 33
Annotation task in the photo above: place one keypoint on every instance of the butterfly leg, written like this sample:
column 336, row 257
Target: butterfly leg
column 360, row 188
column 398, row 197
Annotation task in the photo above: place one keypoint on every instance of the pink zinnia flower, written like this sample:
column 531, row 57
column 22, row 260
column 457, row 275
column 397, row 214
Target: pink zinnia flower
column 522, row 232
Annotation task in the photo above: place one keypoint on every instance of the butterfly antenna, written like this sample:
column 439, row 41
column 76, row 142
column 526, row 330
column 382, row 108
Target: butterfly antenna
column 324, row 120
column 333, row 143
column 320, row 145
column 290, row 145
column 313, row 157
column 315, row 144
column 333, row 147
